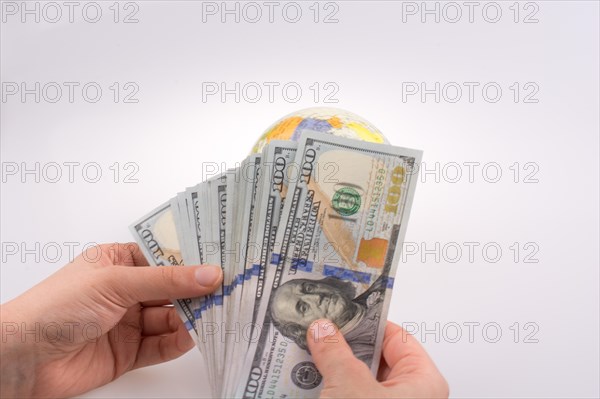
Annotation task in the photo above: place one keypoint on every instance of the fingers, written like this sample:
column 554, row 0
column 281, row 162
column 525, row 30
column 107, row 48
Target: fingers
column 128, row 254
column 137, row 255
column 403, row 353
column 410, row 365
column 159, row 321
column 162, row 348
column 131, row 285
column 399, row 344
column 333, row 356
column 390, row 349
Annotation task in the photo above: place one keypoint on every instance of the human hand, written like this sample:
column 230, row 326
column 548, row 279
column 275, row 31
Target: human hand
column 92, row 321
column 405, row 371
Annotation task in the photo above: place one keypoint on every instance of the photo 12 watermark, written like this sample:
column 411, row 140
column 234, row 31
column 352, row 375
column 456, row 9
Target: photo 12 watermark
column 51, row 252
column 490, row 332
column 70, row 332
column 453, row 172
column 470, row 252
column 489, row 92
column 53, row 172
column 52, row 12
column 70, row 92
column 470, row 12
column 252, row 12
column 270, row 92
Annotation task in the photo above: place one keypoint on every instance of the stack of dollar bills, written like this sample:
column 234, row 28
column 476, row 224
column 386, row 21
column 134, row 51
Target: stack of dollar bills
column 304, row 230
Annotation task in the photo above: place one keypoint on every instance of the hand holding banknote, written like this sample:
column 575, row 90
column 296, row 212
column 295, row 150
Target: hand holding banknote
column 406, row 371
column 96, row 318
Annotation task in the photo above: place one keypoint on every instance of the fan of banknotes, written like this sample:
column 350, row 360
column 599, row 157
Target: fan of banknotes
column 309, row 226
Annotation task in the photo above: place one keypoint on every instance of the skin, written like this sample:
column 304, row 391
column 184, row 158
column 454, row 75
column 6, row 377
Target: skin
column 304, row 301
column 406, row 371
column 92, row 321
column 113, row 316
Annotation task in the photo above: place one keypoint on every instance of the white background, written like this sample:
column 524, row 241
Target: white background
column 170, row 133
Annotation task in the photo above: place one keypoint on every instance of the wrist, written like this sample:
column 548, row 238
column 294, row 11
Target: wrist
column 18, row 358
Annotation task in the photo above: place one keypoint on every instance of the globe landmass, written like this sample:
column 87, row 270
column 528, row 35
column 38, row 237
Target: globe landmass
column 333, row 121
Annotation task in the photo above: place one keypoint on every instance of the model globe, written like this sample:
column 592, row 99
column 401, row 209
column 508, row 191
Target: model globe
column 320, row 119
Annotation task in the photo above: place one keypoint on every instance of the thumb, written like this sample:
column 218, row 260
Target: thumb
column 334, row 358
column 132, row 285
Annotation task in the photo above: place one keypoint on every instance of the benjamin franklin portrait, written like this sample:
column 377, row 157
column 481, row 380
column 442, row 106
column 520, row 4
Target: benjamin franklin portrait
column 297, row 303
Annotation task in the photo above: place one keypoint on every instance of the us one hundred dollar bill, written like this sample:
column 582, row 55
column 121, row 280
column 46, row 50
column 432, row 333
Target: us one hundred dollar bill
column 304, row 230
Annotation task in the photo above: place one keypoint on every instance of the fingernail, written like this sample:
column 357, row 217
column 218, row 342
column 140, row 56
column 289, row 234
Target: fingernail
column 322, row 329
column 208, row 276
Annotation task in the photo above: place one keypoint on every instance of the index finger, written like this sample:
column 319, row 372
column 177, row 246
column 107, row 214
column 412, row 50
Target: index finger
column 128, row 254
column 137, row 255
